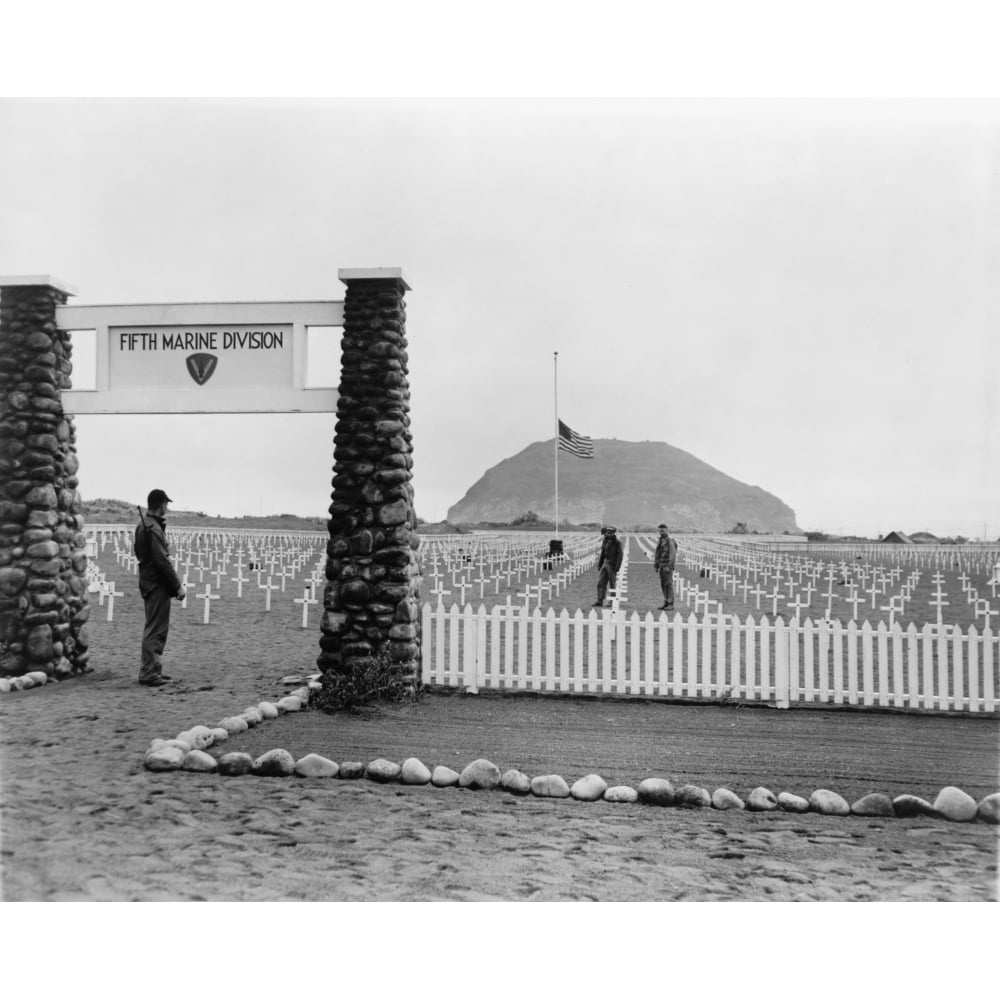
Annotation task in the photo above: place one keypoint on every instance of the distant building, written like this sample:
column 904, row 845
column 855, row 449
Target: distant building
column 898, row 538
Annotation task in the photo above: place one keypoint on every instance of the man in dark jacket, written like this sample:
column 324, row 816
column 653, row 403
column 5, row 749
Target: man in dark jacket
column 664, row 561
column 608, row 564
column 158, row 583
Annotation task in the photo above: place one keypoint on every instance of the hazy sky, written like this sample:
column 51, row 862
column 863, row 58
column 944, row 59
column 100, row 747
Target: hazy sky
column 803, row 294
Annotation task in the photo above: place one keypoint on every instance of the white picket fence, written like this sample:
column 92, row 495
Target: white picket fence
column 717, row 658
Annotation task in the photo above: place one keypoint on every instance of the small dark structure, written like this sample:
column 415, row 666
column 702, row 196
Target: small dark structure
column 898, row 538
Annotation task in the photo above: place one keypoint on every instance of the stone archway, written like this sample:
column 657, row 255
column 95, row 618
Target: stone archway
column 371, row 600
column 43, row 592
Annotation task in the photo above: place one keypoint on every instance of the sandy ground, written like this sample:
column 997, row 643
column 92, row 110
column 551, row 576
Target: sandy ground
column 81, row 819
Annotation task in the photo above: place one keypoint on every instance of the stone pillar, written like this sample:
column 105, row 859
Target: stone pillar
column 371, row 601
column 43, row 590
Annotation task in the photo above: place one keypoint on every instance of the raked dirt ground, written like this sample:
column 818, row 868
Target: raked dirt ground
column 82, row 820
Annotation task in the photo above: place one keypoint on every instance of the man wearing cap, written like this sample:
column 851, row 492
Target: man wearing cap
column 664, row 561
column 158, row 583
column 608, row 564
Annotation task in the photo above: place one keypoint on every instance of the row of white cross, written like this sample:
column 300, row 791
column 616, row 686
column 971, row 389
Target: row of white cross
column 456, row 564
column 199, row 553
column 745, row 569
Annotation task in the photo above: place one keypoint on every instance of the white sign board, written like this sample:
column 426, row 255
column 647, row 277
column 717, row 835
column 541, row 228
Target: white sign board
column 242, row 357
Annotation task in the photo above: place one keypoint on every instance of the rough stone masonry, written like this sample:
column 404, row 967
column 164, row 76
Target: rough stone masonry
column 43, row 589
column 371, row 601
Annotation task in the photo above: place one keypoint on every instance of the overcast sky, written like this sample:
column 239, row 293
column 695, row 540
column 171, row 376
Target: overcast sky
column 799, row 293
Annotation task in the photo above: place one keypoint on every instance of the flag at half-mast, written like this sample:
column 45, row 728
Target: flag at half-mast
column 575, row 444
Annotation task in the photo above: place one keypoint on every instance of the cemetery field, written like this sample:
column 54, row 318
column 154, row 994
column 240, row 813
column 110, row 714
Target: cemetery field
column 82, row 819
column 500, row 614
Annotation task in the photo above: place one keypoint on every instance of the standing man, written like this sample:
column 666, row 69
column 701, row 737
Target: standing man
column 158, row 583
column 663, row 562
column 608, row 564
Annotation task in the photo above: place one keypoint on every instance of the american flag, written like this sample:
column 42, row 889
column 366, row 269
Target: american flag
column 575, row 444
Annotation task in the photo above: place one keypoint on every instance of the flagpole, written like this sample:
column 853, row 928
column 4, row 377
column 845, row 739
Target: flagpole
column 555, row 396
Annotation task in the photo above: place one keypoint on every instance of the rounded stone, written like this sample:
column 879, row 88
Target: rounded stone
column 911, row 805
column 290, row 703
column 351, row 770
column 12, row 579
column 315, row 766
column 234, row 724
column 235, row 764
column 988, row 809
column 165, row 758
column 873, row 804
column 692, row 797
column 198, row 760
column 656, row 792
column 621, row 793
column 761, row 800
column 274, row 764
column 383, row 771
column 725, row 798
column 252, row 715
column 444, row 777
column 792, row 803
column 414, row 772
column 268, row 710
column 516, row 782
column 393, row 513
column 198, row 740
column 549, row 786
column 480, row 774
column 589, row 788
column 828, row 803
column 955, row 805
column 39, row 643
column 355, row 591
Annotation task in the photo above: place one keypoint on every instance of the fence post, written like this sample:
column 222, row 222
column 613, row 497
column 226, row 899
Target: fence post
column 470, row 650
column 782, row 662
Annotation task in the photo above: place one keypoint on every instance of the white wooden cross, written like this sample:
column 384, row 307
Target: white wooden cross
column 218, row 574
column 440, row 591
column 239, row 580
column 893, row 608
column 267, row 588
column 798, row 604
column 207, row 597
column 184, row 587
column 528, row 593
column 758, row 593
column 305, row 600
column 112, row 593
column 983, row 610
column 775, row 596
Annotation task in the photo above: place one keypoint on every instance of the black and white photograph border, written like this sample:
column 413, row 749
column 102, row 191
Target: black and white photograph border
column 626, row 62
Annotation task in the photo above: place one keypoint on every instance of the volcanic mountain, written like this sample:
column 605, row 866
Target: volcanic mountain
column 627, row 483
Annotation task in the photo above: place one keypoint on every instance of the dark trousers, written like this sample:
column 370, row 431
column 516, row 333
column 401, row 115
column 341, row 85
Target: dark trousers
column 154, row 634
column 605, row 579
column 667, row 585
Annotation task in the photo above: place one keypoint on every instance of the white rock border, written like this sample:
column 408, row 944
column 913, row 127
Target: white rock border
column 186, row 752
